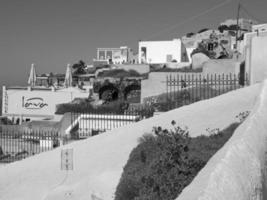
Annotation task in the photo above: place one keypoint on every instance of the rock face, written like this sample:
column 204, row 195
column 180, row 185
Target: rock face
column 198, row 59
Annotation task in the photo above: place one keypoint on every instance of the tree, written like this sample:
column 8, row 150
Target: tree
column 79, row 68
column 202, row 30
column 223, row 27
column 234, row 27
column 190, row 34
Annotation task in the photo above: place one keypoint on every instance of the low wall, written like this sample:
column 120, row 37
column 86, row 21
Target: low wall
column 221, row 66
column 140, row 68
column 238, row 170
column 156, row 83
column 158, row 79
column 37, row 103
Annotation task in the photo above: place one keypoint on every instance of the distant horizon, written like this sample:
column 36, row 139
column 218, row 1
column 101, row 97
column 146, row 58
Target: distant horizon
column 73, row 30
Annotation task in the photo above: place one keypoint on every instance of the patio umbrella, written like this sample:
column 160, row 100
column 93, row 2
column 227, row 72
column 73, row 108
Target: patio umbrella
column 32, row 76
column 68, row 77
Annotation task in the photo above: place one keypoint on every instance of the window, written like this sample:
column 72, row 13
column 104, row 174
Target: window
column 143, row 54
column 109, row 55
column 169, row 58
column 210, row 47
column 101, row 55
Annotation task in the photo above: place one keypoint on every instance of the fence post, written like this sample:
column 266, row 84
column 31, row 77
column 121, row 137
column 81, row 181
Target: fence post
column 207, row 87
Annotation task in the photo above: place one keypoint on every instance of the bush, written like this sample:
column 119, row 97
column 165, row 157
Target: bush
column 189, row 35
column 203, row 30
column 223, row 28
column 116, row 107
column 163, row 164
column 183, row 69
column 119, row 73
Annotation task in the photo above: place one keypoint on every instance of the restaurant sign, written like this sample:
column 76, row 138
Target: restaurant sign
column 33, row 103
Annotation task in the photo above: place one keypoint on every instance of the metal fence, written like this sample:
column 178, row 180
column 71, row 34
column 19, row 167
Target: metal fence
column 186, row 89
column 86, row 124
column 18, row 142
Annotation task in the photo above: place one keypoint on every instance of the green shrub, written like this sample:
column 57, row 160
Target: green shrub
column 163, row 164
column 116, row 107
column 182, row 70
column 119, row 73
column 242, row 116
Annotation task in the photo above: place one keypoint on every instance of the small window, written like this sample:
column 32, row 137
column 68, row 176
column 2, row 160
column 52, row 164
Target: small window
column 224, row 42
column 101, row 55
column 143, row 54
column 210, row 47
column 169, row 58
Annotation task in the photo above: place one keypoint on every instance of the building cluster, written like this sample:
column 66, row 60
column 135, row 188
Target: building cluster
column 226, row 42
column 39, row 100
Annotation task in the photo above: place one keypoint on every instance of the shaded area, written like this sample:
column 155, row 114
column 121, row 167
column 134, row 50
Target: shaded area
column 162, row 165
column 109, row 92
column 132, row 93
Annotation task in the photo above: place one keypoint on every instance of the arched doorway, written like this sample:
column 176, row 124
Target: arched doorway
column 108, row 93
column 132, row 93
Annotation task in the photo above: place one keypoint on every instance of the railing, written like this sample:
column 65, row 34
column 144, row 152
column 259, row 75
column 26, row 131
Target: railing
column 20, row 141
column 86, row 124
column 186, row 89
column 17, row 143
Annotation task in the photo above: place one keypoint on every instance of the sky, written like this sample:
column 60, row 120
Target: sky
column 53, row 33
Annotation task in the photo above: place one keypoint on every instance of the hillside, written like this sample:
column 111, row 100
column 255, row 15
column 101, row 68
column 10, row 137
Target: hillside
column 99, row 161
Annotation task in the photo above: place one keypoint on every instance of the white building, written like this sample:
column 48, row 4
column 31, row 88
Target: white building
column 255, row 50
column 36, row 103
column 158, row 52
column 98, row 123
column 115, row 55
column 259, row 28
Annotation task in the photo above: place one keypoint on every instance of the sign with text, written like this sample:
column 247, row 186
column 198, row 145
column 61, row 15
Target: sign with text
column 67, row 159
column 37, row 102
column 33, row 103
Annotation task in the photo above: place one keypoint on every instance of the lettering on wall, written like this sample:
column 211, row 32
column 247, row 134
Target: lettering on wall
column 33, row 103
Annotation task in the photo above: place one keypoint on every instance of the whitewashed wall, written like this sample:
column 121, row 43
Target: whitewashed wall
column 157, row 51
column 238, row 170
column 36, row 102
column 255, row 55
column 258, row 59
